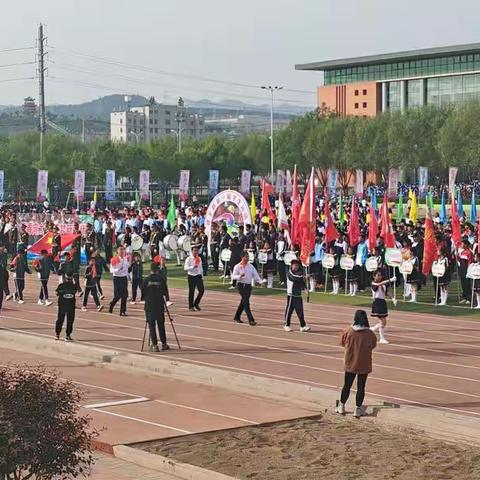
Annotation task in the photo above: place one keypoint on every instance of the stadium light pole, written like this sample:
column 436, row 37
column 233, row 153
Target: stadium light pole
column 272, row 91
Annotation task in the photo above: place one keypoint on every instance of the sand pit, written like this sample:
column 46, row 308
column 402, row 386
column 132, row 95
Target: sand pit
column 326, row 448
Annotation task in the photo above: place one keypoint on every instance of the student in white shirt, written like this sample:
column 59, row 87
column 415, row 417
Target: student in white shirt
column 194, row 269
column 244, row 273
column 119, row 268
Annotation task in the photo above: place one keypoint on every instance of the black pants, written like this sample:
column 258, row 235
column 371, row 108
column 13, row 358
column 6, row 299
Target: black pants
column 136, row 284
column 282, row 272
column 195, row 281
column 62, row 313
column 466, row 283
column 156, row 319
column 1, row 298
column 99, row 286
column 245, row 290
column 88, row 251
column 294, row 304
column 43, row 290
column 108, row 253
column 120, row 292
column 76, row 281
column 20, row 287
column 91, row 289
column 361, row 381
column 215, row 256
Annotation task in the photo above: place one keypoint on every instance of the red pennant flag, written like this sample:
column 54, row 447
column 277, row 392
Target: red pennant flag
column 330, row 229
column 429, row 246
column 354, row 225
column 456, row 232
column 296, row 206
column 307, row 221
column 372, row 230
column 45, row 243
column 267, row 189
column 386, row 231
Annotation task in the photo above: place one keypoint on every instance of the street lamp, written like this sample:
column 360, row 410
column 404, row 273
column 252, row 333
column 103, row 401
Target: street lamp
column 272, row 90
column 180, row 117
column 131, row 132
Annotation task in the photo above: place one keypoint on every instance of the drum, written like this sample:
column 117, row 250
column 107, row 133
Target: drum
column 225, row 255
column 171, row 242
column 328, row 261
column 438, row 269
column 371, row 265
column 120, row 239
column 137, row 242
column 184, row 243
column 262, row 258
column 473, row 272
column 346, row 263
column 406, row 267
column 289, row 256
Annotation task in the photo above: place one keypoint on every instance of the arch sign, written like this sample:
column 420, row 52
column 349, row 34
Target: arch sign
column 228, row 208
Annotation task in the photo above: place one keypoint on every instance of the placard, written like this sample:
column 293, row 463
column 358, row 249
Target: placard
column 328, row 261
column 371, row 264
column 406, row 267
column 225, row 255
column 110, row 185
column 262, row 258
column 473, row 271
column 393, row 257
column 289, row 257
column 346, row 262
column 79, row 185
column 438, row 269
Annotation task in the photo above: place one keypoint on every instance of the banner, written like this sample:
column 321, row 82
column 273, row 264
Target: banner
column 42, row 185
column 393, row 176
column 79, row 185
column 2, row 189
column 245, row 183
column 332, row 182
column 144, row 184
column 213, row 182
column 422, row 180
column 110, row 185
column 452, row 176
column 359, row 183
column 288, row 184
column 280, row 183
column 183, row 185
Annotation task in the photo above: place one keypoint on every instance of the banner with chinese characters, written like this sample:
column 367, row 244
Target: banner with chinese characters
column 452, row 176
column 110, row 185
column 422, row 180
column 42, row 185
column 183, row 185
column 245, row 183
column 288, row 184
column 280, row 183
column 393, row 176
column 213, row 177
column 332, row 181
column 79, row 185
column 359, row 183
column 144, row 184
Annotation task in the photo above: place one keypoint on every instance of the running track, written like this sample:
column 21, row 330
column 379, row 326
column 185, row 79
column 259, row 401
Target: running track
column 432, row 361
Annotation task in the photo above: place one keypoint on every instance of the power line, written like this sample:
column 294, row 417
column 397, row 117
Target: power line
column 16, row 49
column 16, row 79
column 16, row 64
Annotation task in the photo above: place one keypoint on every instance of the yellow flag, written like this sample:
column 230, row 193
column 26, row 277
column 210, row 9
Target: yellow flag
column 253, row 209
column 95, row 195
column 413, row 206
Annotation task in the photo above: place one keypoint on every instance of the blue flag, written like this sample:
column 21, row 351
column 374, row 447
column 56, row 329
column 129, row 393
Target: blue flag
column 459, row 203
column 473, row 210
column 443, row 210
column 373, row 199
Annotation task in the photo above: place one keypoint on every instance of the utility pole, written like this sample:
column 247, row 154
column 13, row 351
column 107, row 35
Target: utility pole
column 272, row 90
column 180, row 117
column 83, row 130
column 42, row 126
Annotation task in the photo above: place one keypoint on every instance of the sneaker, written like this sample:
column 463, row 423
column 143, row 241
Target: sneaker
column 168, row 303
column 231, row 287
column 287, row 328
column 252, row 323
column 306, row 328
column 154, row 348
column 68, row 338
column 197, row 307
column 84, row 309
column 21, row 302
column 102, row 297
column 340, row 409
column 191, row 309
column 360, row 411
column 48, row 303
column 237, row 320
column 8, row 297
column 57, row 337
column 165, row 347
column 383, row 340
column 99, row 308
column 123, row 314
column 40, row 302
column 110, row 309
column 132, row 302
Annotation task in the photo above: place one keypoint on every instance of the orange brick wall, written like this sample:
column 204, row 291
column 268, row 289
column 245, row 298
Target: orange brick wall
column 357, row 99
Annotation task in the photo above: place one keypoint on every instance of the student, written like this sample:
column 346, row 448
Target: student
column 353, row 275
column 43, row 266
column 295, row 286
column 193, row 267
column 66, row 307
column 476, row 283
column 379, row 305
column 101, row 266
column 444, row 280
column 19, row 267
column 136, row 271
column 4, row 266
column 91, row 285
column 359, row 342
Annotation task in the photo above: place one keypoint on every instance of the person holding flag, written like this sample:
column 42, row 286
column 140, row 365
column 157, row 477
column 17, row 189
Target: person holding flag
column 43, row 266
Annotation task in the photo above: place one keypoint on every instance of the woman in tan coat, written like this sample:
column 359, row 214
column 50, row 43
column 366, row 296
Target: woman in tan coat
column 359, row 342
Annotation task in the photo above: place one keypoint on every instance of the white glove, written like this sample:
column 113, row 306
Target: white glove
column 264, row 281
column 393, row 279
column 169, row 303
column 394, row 301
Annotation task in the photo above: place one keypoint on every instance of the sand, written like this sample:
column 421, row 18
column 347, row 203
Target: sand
column 328, row 447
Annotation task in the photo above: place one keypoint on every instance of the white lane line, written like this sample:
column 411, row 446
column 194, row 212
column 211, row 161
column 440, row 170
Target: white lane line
column 209, row 412
column 116, row 403
column 160, row 425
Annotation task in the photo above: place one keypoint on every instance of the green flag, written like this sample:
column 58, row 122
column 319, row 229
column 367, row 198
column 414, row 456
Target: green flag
column 400, row 213
column 430, row 201
column 341, row 213
column 47, row 195
column 172, row 214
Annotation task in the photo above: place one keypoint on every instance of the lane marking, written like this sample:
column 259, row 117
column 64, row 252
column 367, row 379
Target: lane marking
column 117, row 403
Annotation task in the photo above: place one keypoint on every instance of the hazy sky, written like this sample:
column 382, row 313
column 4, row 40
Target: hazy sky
column 251, row 42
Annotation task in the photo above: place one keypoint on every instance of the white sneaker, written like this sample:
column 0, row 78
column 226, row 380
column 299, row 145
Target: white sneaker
column 21, row 302
column 383, row 340
column 306, row 328
column 340, row 409
column 360, row 411
column 412, row 300
column 287, row 328
column 231, row 288
column 84, row 309
column 99, row 308
column 8, row 297
column 477, row 307
column 102, row 297
column 48, row 303
column 40, row 302
column 132, row 302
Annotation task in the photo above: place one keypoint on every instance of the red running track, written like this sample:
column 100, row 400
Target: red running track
column 432, row 361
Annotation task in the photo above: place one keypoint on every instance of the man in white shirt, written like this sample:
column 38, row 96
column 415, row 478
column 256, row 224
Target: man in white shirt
column 194, row 269
column 119, row 269
column 245, row 273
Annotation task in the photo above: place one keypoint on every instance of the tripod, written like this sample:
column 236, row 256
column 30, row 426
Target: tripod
column 167, row 311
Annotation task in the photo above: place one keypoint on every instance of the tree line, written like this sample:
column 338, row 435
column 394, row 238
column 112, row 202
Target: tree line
column 430, row 137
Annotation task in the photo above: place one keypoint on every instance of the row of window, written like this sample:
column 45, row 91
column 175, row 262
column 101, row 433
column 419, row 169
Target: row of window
column 357, row 92
column 364, row 105
column 167, row 131
column 411, row 68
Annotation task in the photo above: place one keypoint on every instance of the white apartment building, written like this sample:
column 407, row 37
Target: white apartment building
column 152, row 121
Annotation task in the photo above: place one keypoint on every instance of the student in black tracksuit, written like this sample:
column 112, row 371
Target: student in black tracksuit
column 19, row 267
column 91, row 285
column 155, row 292
column 101, row 266
column 136, row 271
column 43, row 266
column 66, row 307
column 295, row 286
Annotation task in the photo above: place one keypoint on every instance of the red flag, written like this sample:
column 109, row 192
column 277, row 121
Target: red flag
column 372, row 230
column 296, row 205
column 45, row 243
column 386, row 231
column 429, row 246
column 307, row 221
column 267, row 189
column 354, row 225
column 330, row 229
column 456, row 232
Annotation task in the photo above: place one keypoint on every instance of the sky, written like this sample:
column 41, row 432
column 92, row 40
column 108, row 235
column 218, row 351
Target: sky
column 100, row 47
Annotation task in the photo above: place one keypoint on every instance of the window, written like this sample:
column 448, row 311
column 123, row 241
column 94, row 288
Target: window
column 121, row 130
column 364, row 91
column 167, row 112
column 167, row 121
column 364, row 104
column 156, row 130
column 121, row 121
column 356, row 93
column 155, row 121
column 356, row 105
column 150, row 121
column 151, row 130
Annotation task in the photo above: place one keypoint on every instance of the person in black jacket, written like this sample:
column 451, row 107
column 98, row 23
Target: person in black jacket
column 295, row 286
column 101, row 266
column 43, row 265
column 91, row 285
column 155, row 292
column 19, row 267
column 66, row 307
column 136, row 271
